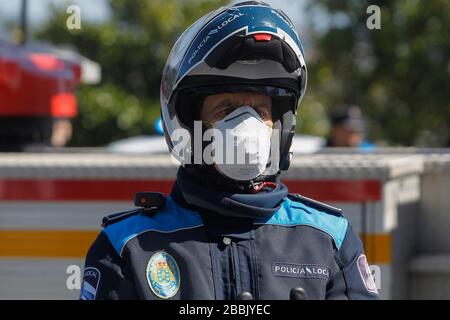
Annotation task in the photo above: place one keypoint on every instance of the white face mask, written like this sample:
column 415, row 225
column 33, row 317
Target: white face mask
column 246, row 144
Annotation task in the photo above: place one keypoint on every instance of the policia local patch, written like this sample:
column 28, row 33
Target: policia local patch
column 163, row 275
column 91, row 280
column 300, row 270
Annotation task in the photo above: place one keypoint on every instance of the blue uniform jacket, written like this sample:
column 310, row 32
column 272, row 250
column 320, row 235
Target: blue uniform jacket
column 184, row 252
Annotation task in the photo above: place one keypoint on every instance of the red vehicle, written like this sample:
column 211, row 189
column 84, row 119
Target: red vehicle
column 36, row 87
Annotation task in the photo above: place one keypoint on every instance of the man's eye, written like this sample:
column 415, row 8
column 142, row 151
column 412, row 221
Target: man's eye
column 224, row 111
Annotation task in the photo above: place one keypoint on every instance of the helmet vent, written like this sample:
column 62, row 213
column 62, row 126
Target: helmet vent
column 239, row 48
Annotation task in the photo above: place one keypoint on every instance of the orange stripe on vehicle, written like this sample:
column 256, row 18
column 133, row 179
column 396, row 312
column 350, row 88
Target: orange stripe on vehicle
column 45, row 243
column 378, row 248
column 75, row 243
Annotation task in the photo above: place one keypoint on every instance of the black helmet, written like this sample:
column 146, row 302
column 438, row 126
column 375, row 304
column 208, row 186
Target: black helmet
column 245, row 46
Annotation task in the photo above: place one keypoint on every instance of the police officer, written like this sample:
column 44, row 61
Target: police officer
column 230, row 229
column 347, row 128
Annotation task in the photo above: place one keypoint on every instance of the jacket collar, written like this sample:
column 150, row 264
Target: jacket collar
column 192, row 193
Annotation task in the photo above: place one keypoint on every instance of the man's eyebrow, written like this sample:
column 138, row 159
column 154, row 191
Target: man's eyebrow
column 222, row 101
column 268, row 102
column 265, row 103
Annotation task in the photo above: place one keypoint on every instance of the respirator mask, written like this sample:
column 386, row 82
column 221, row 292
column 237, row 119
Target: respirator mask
column 241, row 144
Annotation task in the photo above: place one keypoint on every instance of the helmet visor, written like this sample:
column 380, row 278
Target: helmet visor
column 191, row 100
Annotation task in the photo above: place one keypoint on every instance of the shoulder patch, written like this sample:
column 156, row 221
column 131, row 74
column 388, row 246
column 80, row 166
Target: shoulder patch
column 366, row 274
column 91, row 280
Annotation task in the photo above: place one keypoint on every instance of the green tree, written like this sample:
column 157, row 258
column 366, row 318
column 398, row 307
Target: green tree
column 131, row 48
column 398, row 74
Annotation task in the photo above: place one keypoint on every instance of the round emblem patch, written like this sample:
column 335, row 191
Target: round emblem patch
column 163, row 275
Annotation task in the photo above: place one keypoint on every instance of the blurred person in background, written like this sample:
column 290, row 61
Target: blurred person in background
column 230, row 231
column 347, row 128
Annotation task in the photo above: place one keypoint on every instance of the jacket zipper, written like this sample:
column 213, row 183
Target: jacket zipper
column 235, row 276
